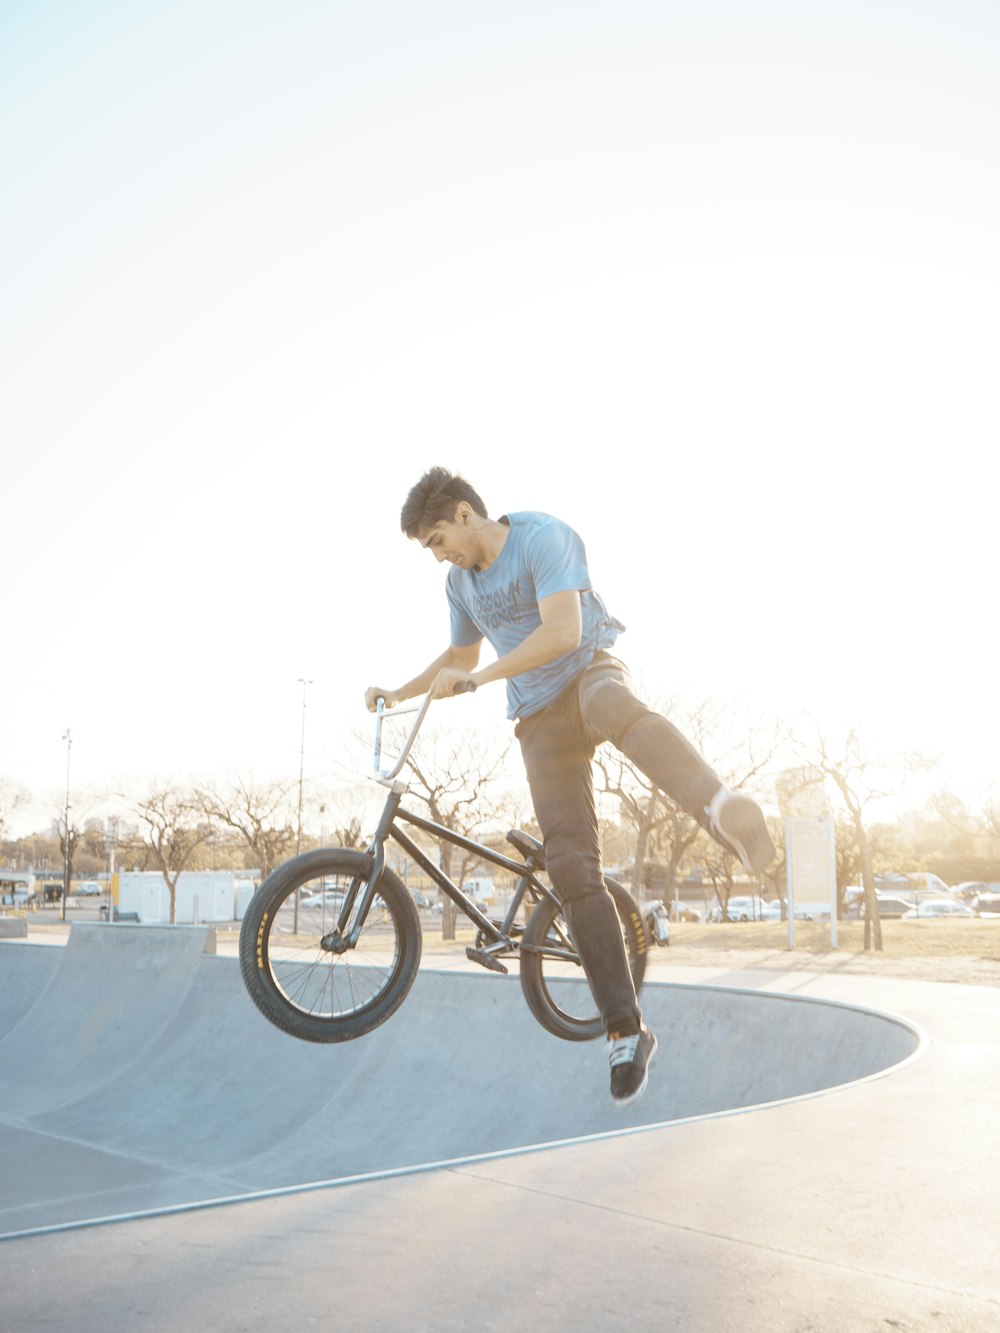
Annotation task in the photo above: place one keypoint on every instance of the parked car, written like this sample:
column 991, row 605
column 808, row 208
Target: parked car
column 889, row 906
column 684, row 912
column 942, row 909
column 88, row 888
column 891, row 881
column 331, row 901
column 986, row 904
column 970, row 889
column 800, row 911
column 657, row 921
column 745, row 908
column 420, row 898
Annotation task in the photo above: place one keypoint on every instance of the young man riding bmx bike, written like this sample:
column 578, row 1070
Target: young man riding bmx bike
column 521, row 581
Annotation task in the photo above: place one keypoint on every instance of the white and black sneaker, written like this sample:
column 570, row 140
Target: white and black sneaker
column 630, row 1055
column 738, row 822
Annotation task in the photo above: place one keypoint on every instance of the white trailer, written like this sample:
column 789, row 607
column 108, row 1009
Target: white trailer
column 209, row 896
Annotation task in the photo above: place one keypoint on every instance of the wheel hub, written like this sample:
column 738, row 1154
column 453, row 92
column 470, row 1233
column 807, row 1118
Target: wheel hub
column 334, row 943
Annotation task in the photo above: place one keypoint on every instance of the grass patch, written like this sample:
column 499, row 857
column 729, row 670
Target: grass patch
column 900, row 939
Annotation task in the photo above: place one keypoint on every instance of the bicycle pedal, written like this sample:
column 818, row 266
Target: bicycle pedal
column 485, row 959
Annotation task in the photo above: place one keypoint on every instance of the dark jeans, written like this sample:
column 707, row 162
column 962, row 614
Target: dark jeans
column 558, row 746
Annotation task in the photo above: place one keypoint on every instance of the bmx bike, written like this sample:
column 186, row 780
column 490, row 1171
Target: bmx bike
column 331, row 941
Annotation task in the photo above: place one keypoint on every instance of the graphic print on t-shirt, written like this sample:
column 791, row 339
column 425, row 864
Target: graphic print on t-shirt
column 493, row 610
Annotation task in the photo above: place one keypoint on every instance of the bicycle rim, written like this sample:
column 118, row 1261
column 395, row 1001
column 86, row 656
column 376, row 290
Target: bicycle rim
column 552, row 978
column 296, row 980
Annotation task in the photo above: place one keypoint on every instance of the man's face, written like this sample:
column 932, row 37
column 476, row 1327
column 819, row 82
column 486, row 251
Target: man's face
column 453, row 540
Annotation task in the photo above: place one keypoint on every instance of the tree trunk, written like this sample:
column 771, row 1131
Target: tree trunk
column 639, row 865
column 449, row 912
column 873, row 922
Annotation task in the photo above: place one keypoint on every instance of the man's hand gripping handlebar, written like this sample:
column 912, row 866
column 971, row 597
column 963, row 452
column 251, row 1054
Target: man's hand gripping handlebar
column 465, row 686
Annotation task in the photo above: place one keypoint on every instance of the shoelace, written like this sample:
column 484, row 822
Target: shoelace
column 623, row 1050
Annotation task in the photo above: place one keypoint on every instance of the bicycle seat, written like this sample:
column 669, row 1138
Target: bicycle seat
column 526, row 844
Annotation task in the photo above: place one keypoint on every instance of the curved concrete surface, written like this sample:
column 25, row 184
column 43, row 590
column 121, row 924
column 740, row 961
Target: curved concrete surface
column 142, row 1068
column 869, row 1210
column 25, row 974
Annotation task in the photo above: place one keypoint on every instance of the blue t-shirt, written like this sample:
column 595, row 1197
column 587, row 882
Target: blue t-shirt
column 541, row 556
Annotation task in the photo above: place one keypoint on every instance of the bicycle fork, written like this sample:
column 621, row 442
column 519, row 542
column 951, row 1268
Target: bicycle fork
column 336, row 941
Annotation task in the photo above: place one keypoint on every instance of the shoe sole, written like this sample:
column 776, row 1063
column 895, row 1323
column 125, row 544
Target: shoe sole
column 741, row 823
column 634, row 1096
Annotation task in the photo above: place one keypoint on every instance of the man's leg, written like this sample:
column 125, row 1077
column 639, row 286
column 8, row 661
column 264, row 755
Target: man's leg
column 611, row 711
column 557, row 761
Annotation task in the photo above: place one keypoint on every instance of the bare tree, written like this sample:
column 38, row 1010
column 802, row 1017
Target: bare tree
column 69, row 839
column 456, row 778
column 656, row 823
column 991, row 818
column 346, row 816
column 260, row 812
column 13, row 797
column 847, row 854
column 642, row 806
column 718, row 865
column 659, row 824
column 175, row 829
column 859, row 781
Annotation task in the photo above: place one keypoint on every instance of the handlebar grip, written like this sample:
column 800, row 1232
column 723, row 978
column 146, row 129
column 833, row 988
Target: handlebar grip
column 465, row 687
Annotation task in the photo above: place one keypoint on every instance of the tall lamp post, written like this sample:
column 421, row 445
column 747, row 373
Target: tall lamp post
column 302, row 760
column 69, row 745
column 298, row 826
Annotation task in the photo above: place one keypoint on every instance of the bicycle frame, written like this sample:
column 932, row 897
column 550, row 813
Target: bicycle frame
column 500, row 935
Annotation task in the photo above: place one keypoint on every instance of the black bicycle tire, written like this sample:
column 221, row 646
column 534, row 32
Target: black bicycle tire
column 537, row 994
column 255, row 954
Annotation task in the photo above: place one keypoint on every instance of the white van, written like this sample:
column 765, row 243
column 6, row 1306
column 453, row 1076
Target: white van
column 481, row 891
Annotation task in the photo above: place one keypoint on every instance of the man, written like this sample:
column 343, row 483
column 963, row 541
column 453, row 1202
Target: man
column 522, row 583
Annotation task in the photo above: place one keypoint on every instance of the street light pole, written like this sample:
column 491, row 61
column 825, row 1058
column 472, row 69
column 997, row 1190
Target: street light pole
column 302, row 759
column 69, row 745
column 298, row 826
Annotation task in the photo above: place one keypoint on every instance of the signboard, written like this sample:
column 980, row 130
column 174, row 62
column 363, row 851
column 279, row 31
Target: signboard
column 811, row 860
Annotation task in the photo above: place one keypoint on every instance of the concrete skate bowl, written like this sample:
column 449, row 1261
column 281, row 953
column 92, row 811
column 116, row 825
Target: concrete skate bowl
column 136, row 1077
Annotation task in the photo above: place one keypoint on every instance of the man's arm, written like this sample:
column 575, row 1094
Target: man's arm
column 459, row 659
column 560, row 632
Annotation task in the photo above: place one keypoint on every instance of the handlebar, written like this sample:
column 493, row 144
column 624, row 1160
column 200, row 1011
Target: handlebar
column 464, row 687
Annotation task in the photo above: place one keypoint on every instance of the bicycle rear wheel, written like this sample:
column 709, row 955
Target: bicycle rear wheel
column 299, row 982
column 552, row 978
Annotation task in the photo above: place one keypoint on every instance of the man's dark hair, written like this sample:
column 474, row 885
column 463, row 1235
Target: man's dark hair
column 437, row 496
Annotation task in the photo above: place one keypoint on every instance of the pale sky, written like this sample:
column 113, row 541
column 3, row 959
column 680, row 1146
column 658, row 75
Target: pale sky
column 716, row 282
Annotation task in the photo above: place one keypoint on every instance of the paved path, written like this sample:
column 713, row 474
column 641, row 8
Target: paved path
column 871, row 1207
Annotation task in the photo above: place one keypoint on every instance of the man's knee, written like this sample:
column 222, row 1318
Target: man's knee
column 575, row 873
column 612, row 710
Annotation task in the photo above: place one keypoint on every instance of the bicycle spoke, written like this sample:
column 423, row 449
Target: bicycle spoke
column 316, row 980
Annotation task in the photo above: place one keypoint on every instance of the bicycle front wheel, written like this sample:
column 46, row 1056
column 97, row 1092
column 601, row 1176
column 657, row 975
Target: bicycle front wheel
column 289, row 948
column 552, row 977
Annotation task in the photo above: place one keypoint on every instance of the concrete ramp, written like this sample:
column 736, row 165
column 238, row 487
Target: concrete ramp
column 25, row 973
column 139, row 1076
